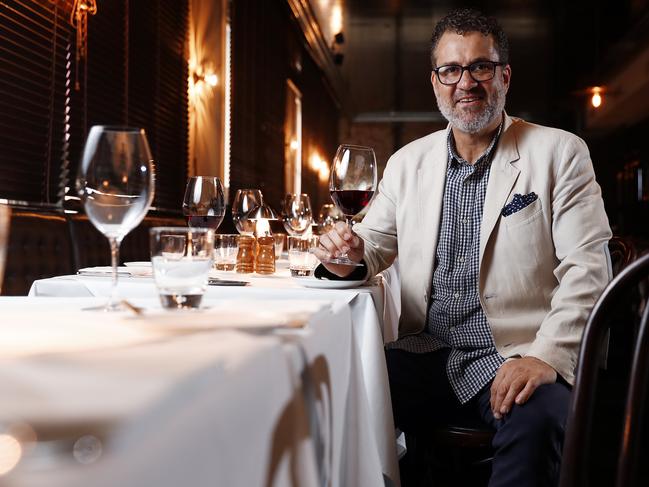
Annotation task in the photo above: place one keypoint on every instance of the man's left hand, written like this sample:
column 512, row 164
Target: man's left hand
column 516, row 380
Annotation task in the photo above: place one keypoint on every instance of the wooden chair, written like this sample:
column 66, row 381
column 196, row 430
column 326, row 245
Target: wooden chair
column 622, row 305
column 469, row 445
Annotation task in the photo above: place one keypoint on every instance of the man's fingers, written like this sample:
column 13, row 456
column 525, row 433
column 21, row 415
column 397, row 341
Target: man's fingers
column 526, row 393
column 501, row 392
column 494, row 388
column 515, row 387
column 321, row 253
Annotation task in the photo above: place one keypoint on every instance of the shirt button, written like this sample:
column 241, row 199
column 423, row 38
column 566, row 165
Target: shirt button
column 456, row 295
column 460, row 259
column 451, row 329
column 465, row 220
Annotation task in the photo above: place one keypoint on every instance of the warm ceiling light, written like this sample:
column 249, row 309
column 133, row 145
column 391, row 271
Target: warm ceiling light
column 596, row 98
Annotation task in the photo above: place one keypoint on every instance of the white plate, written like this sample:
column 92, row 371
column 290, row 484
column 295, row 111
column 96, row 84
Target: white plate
column 144, row 263
column 326, row 284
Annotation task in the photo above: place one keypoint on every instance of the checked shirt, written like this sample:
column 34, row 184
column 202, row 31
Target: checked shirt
column 455, row 318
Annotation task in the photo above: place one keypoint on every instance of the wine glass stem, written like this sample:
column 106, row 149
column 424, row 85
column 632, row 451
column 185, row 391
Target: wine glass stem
column 350, row 223
column 114, row 259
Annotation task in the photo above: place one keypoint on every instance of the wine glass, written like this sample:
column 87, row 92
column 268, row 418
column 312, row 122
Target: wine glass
column 328, row 216
column 297, row 215
column 244, row 201
column 116, row 185
column 204, row 203
column 352, row 184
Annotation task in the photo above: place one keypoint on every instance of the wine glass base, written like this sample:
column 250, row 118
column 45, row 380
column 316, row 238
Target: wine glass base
column 342, row 261
column 107, row 308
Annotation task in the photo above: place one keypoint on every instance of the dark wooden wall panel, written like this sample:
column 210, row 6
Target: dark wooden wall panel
column 266, row 42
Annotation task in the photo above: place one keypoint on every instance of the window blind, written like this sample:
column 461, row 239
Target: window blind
column 34, row 40
column 135, row 74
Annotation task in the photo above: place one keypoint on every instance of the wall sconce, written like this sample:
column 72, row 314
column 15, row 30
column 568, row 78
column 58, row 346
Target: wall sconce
column 320, row 166
column 336, row 48
column 200, row 81
column 595, row 95
column 596, row 98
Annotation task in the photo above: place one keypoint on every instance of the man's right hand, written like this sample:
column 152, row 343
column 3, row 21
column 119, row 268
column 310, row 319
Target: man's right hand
column 336, row 242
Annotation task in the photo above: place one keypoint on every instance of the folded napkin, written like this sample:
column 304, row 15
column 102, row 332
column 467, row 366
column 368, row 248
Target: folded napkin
column 104, row 271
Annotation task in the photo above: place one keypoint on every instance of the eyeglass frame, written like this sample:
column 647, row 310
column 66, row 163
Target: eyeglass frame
column 468, row 68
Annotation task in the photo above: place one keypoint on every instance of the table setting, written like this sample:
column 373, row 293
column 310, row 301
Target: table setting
column 221, row 351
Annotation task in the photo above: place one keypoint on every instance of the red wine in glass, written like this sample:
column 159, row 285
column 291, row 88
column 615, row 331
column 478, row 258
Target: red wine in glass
column 204, row 203
column 351, row 201
column 352, row 184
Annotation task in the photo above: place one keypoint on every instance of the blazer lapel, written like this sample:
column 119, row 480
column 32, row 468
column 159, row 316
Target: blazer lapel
column 502, row 178
column 431, row 177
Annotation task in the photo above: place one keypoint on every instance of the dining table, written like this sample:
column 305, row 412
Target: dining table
column 274, row 383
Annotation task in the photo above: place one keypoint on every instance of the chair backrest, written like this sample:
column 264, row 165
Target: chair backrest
column 39, row 247
column 578, row 457
column 91, row 247
column 622, row 251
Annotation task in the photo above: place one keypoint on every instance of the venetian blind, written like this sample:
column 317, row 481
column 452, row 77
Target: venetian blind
column 135, row 74
column 34, row 40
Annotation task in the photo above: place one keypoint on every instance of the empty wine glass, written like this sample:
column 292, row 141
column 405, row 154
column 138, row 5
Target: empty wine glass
column 244, row 201
column 116, row 185
column 297, row 215
column 204, row 203
column 352, row 184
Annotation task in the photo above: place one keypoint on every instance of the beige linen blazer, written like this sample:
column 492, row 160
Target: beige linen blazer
column 541, row 268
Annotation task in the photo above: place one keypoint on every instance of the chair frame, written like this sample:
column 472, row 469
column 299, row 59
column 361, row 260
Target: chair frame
column 575, row 452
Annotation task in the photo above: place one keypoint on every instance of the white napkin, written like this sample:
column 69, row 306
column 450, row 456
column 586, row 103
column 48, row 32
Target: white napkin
column 131, row 271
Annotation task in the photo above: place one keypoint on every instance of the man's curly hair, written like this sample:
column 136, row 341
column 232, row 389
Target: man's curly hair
column 464, row 20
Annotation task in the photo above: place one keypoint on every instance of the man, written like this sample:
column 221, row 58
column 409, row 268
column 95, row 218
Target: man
column 502, row 240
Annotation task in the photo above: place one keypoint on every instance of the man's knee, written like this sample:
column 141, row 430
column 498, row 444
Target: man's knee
column 542, row 417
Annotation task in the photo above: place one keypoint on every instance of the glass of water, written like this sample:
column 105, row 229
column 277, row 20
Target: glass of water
column 226, row 247
column 182, row 259
column 301, row 262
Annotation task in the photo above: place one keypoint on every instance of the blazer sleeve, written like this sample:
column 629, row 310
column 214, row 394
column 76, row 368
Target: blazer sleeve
column 580, row 231
column 379, row 227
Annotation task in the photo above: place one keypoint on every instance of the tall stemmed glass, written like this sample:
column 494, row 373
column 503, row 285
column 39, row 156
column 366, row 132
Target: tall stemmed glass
column 244, row 201
column 297, row 215
column 204, row 203
column 116, row 185
column 352, row 184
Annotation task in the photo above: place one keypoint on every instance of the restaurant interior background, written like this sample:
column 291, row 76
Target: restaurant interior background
column 261, row 92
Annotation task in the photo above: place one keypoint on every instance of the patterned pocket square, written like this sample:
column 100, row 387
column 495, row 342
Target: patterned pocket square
column 518, row 202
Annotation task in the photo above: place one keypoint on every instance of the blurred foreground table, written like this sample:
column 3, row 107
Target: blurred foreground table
column 222, row 406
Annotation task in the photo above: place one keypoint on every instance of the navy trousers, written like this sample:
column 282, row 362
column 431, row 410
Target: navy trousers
column 528, row 440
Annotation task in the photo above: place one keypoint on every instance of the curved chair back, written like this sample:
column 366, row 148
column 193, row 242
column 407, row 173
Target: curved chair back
column 577, row 452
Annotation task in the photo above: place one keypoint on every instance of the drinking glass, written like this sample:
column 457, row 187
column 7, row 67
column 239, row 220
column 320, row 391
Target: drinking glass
column 204, row 203
column 226, row 248
column 301, row 260
column 116, row 184
column 181, row 259
column 280, row 238
column 352, row 184
column 244, row 201
column 297, row 215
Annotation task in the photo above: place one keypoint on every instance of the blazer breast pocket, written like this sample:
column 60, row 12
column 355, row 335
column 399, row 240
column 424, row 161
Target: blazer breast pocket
column 526, row 215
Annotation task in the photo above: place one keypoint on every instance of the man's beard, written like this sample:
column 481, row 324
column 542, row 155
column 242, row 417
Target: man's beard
column 473, row 123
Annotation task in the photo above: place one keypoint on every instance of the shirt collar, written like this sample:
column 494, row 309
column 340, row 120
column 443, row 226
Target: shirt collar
column 486, row 155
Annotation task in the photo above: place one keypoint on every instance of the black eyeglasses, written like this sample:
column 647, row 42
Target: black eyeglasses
column 451, row 74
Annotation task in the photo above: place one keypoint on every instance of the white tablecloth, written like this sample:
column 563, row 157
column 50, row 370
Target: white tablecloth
column 354, row 431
